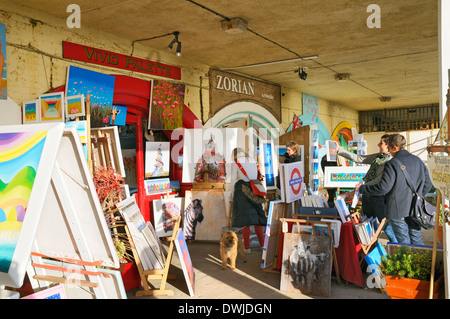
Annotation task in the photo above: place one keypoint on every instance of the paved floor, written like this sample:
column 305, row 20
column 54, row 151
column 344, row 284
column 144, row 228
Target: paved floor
column 247, row 281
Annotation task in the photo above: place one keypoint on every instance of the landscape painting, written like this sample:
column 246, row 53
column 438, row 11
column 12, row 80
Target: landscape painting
column 99, row 87
column 27, row 157
column 52, row 107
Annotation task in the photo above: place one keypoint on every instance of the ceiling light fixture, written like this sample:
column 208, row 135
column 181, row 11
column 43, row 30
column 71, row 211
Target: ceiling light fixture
column 234, row 25
column 171, row 44
column 302, row 74
column 385, row 99
column 341, row 77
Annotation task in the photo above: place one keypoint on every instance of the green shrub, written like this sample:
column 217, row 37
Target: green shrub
column 407, row 263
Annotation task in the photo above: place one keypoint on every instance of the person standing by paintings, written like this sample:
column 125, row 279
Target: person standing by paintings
column 373, row 205
column 246, row 212
column 292, row 153
column 398, row 195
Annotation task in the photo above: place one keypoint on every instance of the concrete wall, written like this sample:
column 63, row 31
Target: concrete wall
column 35, row 64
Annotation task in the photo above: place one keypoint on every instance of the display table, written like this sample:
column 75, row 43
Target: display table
column 346, row 254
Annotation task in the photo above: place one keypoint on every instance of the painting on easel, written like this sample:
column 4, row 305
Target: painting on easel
column 306, row 266
column 185, row 260
column 204, row 215
column 165, row 215
column 21, row 169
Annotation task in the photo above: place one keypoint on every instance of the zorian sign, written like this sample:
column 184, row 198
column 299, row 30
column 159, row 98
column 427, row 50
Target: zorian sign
column 96, row 56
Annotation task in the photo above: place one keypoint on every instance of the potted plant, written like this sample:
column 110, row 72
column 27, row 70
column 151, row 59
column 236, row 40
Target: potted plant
column 407, row 273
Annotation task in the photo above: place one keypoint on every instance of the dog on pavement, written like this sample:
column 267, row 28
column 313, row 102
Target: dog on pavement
column 230, row 244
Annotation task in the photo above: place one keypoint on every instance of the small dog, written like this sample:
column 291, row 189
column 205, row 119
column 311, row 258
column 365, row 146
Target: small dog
column 230, row 243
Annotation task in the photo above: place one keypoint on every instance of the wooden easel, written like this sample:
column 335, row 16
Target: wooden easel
column 161, row 274
column 356, row 219
column 313, row 222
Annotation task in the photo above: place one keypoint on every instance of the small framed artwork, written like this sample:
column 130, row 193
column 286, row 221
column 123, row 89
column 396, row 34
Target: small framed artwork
column 331, row 151
column 75, row 106
column 31, row 111
column 55, row 292
column 52, row 107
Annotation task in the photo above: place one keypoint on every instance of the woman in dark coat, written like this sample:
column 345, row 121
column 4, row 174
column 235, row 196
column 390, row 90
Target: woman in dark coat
column 245, row 212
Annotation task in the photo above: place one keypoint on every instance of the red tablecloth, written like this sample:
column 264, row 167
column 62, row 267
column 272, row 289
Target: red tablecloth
column 346, row 254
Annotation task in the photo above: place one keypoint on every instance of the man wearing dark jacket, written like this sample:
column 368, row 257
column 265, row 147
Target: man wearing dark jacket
column 398, row 194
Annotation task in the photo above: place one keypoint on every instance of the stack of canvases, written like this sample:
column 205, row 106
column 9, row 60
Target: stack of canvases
column 148, row 246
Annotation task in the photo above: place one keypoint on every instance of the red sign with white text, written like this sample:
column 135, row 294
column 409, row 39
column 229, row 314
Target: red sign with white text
column 116, row 60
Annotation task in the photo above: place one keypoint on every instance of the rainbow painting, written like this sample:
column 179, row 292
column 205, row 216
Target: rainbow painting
column 20, row 154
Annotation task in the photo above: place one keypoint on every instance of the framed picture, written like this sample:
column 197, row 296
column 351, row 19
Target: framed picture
column 31, row 112
column 342, row 208
column 157, row 186
column 269, row 163
column 52, row 107
column 344, row 176
column 331, row 151
column 185, row 260
column 165, row 214
column 75, row 106
column 157, row 159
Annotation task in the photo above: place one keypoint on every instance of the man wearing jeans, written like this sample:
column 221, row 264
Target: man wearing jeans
column 397, row 193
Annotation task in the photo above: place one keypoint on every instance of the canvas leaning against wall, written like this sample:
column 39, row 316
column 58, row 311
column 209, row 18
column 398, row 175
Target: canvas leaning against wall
column 306, row 266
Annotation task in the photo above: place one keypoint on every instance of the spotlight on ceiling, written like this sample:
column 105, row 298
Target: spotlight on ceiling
column 172, row 43
column 385, row 99
column 341, row 77
column 302, row 74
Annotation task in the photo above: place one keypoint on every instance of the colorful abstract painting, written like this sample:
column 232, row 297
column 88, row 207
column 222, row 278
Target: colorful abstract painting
column 31, row 111
column 166, row 106
column 99, row 87
column 52, row 107
column 3, row 73
column 20, row 154
column 185, row 260
column 157, row 159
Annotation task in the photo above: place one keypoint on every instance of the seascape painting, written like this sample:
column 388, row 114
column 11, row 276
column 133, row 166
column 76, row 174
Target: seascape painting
column 20, row 154
column 100, row 88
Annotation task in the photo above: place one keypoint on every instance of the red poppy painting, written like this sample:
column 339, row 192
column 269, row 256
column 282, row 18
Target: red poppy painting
column 166, row 105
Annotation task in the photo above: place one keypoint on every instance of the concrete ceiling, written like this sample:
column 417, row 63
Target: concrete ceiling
column 398, row 60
